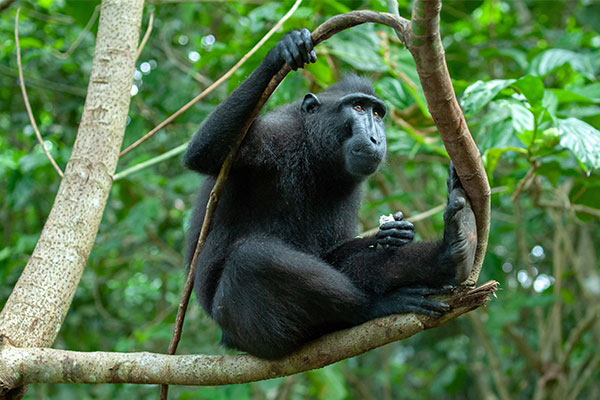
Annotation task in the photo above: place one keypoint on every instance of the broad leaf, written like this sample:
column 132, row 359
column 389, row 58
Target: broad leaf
column 546, row 62
column 582, row 139
column 532, row 88
column 476, row 96
column 359, row 48
column 393, row 92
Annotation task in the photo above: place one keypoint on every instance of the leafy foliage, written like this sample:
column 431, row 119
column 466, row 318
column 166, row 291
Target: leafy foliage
column 527, row 77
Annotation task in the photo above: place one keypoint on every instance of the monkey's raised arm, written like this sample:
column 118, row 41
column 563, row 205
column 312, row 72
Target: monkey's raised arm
column 217, row 134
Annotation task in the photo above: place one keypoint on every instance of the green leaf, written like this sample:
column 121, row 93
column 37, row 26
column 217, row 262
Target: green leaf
column 358, row 48
column 393, row 92
column 522, row 121
column 476, row 96
column 517, row 55
column 567, row 96
column 582, row 139
column 532, row 88
column 546, row 62
column 492, row 156
column 591, row 92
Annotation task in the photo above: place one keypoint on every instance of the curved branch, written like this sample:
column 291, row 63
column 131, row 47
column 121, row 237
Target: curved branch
column 21, row 366
column 425, row 44
column 26, row 99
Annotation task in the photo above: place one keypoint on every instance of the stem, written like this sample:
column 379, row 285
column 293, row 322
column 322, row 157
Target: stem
column 26, row 99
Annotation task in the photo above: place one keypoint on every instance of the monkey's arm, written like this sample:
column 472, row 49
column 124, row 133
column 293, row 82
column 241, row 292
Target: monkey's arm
column 373, row 266
column 217, row 134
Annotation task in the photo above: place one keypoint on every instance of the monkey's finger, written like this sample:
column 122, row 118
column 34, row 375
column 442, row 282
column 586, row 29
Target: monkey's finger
column 398, row 216
column 313, row 57
column 287, row 56
column 307, row 45
column 433, row 305
column 301, row 43
column 396, row 233
column 454, row 206
column 305, row 33
column 404, row 225
column 422, row 311
column 295, row 52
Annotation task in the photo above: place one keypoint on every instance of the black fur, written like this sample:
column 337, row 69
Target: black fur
column 280, row 265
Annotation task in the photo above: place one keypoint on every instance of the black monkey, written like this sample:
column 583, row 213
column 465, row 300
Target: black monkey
column 282, row 264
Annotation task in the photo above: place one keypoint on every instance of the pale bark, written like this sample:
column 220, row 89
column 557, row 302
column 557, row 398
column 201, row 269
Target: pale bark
column 34, row 312
column 24, row 366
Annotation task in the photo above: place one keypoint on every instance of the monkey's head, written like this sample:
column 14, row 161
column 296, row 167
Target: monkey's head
column 350, row 119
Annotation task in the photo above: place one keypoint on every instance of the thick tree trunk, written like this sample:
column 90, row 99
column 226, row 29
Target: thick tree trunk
column 34, row 312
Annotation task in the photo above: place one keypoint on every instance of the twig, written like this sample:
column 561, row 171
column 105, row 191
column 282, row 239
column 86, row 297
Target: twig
column 495, row 364
column 169, row 154
column 26, row 99
column 79, row 39
column 584, row 374
column 212, row 87
column 323, row 32
column 214, row 194
column 529, row 354
column 525, row 181
column 576, row 333
column 146, row 36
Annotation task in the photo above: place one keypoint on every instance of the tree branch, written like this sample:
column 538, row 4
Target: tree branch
column 26, row 99
column 20, row 366
column 212, row 87
column 146, row 36
column 423, row 40
column 79, row 39
column 36, row 308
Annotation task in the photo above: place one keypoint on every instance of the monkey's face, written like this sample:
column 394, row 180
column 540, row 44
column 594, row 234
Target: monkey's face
column 364, row 146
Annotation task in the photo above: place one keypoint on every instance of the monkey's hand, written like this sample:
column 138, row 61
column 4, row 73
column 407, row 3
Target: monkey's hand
column 395, row 233
column 460, row 233
column 295, row 49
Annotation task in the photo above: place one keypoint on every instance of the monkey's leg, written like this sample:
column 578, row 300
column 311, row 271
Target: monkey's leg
column 271, row 298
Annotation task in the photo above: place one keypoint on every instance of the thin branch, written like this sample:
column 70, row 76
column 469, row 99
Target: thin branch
column 213, row 198
column 169, row 154
column 146, row 36
column 212, row 87
column 585, row 374
column 26, row 99
column 495, row 364
column 523, row 183
column 79, row 39
column 21, row 366
column 576, row 333
column 529, row 354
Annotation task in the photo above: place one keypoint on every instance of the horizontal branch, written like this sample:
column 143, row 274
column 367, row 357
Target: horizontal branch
column 21, row 366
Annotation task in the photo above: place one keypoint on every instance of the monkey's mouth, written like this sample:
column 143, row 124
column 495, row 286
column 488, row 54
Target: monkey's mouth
column 361, row 163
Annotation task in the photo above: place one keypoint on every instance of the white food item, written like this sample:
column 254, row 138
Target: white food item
column 386, row 218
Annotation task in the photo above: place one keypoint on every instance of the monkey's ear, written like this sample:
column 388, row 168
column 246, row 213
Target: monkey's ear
column 311, row 103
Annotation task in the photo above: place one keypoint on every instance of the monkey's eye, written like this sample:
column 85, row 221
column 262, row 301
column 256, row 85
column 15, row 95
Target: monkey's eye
column 376, row 113
column 358, row 107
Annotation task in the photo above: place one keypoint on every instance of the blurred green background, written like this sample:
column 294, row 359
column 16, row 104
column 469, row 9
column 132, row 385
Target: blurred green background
column 526, row 73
